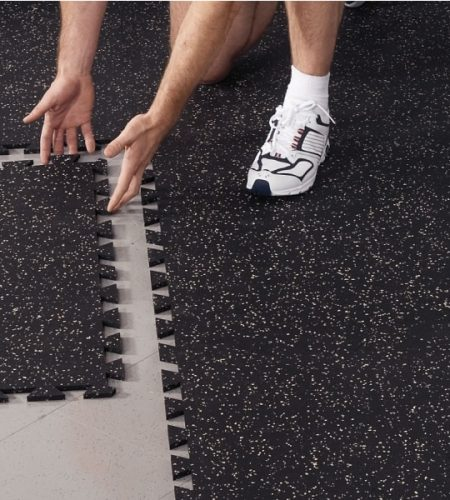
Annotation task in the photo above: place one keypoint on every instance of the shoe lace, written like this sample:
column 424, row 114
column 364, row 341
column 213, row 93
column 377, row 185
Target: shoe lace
column 285, row 122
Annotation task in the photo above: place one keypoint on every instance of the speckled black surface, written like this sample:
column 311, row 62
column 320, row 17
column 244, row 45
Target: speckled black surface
column 132, row 31
column 312, row 332
column 51, row 319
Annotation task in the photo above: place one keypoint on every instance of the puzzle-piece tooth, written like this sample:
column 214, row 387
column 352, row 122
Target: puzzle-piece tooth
column 102, row 187
column 155, row 257
column 15, row 145
column 45, row 393
column 159, row 280
column 164, row 328
column 64, row 159
column 170, row 380
column 106, row 252
column 3, row 397
column 108, row 272
column 115, row 369
column 100, row 166
column 110, row 294
column 105, row 229
column 174, row 407
column 181, row 467
column 167, row 353
column 148, row 176
column 183, row 493
column 100, row 390
column 153, row 237
column 113, row 343
column 161, row 303
column 32, row 148
column 112, row 318
column 101, row 207
column 151, row 216
column 148, row 196
column 18, row 163
column 177, row 436
column 103, row 140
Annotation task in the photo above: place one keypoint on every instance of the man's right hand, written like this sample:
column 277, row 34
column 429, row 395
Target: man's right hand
column 67, row 106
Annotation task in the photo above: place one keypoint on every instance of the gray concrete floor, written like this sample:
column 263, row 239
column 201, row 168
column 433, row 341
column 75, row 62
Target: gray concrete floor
column 107, row 449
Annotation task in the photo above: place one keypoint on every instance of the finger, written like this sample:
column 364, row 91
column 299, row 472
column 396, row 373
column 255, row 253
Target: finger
column 132, row 191
column 58, row 141
column 40, row 109
column 88, row 135
column 129, row 134
column 116, row 146
column 127, row 172
column 72, row 140
column 135, row 186
column 45, row 143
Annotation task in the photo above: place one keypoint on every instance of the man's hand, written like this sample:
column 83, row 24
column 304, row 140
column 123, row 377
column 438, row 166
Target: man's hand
column 201, row 36
column 140, row 139
column 68, row 103
column 67, row 106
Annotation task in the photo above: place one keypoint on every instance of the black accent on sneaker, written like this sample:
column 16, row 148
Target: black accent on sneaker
column 320, row 122
column 288, row 164
column 258, row 161
column 270, row 157
column 303, row 138
column 261, row 188
column 282, row 170
column 272, row 132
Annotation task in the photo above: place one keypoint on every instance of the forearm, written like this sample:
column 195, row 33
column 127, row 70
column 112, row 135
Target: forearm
column 199, row 40
column 80, row 29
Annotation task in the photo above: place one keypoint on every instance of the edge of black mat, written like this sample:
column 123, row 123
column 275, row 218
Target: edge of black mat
column 174, row 407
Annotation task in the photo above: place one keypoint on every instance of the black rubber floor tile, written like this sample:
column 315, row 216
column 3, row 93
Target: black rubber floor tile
column 51, row 319
column 312, row 331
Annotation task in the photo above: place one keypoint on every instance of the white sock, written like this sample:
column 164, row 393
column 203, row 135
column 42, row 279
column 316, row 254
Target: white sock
column 303, row 87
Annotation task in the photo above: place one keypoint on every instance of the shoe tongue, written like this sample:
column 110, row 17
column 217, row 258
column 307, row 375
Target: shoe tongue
column 302, row 118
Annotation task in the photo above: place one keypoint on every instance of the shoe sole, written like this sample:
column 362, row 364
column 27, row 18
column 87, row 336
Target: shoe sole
column 262, row 188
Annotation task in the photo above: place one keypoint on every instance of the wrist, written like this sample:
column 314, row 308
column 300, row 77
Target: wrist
column 160, row 120
column 71, row 71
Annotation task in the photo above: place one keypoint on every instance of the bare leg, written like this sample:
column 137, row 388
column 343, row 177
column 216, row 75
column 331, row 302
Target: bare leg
column 298, row 146
column 313, row 28
column 249, row 24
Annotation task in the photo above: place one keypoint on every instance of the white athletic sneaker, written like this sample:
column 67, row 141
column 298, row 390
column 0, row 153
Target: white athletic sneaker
column 296, row 145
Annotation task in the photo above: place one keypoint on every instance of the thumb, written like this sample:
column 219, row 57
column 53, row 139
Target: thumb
column 129, row 134
column 40, row 109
